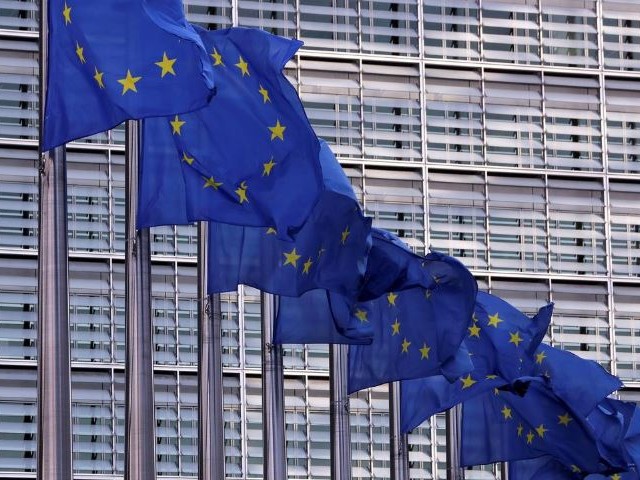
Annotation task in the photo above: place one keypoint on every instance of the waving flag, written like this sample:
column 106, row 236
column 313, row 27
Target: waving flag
column 501, row 340
column 506, row 427
column 329, row 252
column 114, row 60
column 249, row 158
column 419, row 309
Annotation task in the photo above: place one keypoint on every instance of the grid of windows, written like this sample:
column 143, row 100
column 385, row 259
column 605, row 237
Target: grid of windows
column 503, row 132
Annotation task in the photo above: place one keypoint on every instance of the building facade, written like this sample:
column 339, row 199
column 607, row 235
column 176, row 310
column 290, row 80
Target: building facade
column 505, row 133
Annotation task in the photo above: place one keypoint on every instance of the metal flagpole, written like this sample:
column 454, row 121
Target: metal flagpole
column 504, row 471
column 454, row 471
column 54, row 440
column 399, row 443
column 140, row 439
column 275, row 458
column 339, row 413
column 210, row 419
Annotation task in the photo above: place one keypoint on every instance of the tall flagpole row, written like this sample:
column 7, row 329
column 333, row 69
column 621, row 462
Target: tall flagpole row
column 339, row 413
column 54, row 440
column 275, row 455
column 210, row 394
column 399, row 442
column 140, row 439
column 454, row 471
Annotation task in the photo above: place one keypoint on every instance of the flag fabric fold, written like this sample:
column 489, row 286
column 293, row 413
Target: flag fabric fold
column 503, row 426
column 610, row 421
column 501, row 341
column 549, row 468
column 567, row 374
column 115, row 60
column 328, row 317
column 319, row 316
column 419, row 311
column 248, row 158
column 329, row 252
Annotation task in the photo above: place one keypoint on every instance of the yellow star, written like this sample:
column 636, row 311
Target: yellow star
column 268, row 167
column 391, row 298
column 541, row 430
column 616, row 476
column 506, row 411
column 405, row 345
column 291, row 258
column 467, row 381
column 176, row 125
column 344, row 235
column 211, row 182
column 243, row 66
column 307, row 266
column 362, row 315
column 98, row 77
column 575, row 469
column 66, row 13
column 564, row 419
column 271, row 231
column 491, row 377
column 277, row 131
column 520, row 429
column 129, row 83
column 80, row 53
column 494, row 320
column 217, row 58
column 530, row 437
column 241, row 191
column 424, row 351
column 474, row 331
column 540, row 357
column 395, row 328
column 166, row 64
column 515, row 338
column 265, row 94
column 187, row 158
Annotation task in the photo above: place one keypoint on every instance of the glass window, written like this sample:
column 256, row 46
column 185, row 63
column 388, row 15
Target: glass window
column 451, row 29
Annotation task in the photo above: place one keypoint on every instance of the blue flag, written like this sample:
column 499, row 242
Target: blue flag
column 632, row 438
column 545, row 467
column 501, row 340
column 418, row 323
column 329, row 252
column 320, row 316
column 506, row 427
column 249, row 158
column 549, row 468
column 610, row 421
column 568, row 374
column 114, row 60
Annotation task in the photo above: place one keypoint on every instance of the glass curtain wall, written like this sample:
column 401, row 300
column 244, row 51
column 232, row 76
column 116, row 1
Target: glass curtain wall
column 505, row 133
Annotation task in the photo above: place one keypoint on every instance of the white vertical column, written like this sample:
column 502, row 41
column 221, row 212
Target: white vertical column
column 210, row 406
column 140, row 439
column 275, row 455
column 54, row 441
column 339, row 413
